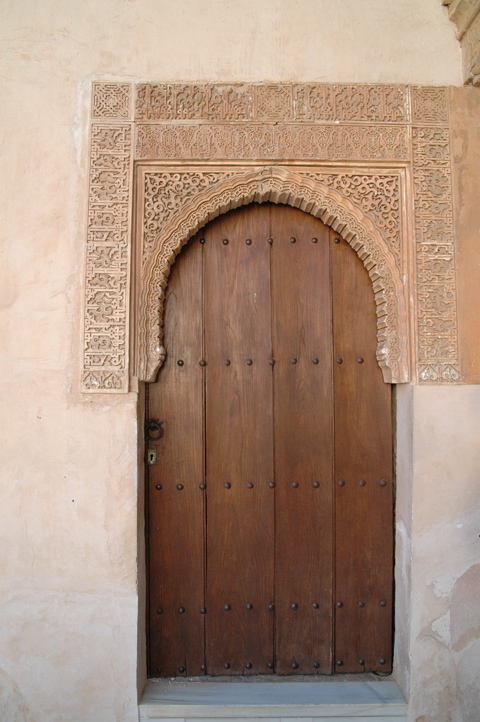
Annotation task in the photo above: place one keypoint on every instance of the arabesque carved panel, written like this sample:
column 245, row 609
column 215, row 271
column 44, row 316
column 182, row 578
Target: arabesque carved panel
column 207, row 148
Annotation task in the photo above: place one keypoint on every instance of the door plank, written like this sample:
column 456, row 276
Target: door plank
column 176, row 516
column 303, row 442
column 363, row 458
column 240, row 530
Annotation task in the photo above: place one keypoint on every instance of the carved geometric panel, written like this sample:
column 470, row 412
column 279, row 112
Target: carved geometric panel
column 356, row 143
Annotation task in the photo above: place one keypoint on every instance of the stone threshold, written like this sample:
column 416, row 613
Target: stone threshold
column 273, row 699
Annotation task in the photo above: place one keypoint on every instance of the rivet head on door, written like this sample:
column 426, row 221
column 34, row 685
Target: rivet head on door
column 270, row 240
column 339, row 360
column 293, row 360
column 295, row 484
column 271, row 607
column 339, row 604
column 383, row 482
column 294, row 665
column 179, row 487
column 361, row 662
column 202, row 486
column 360, row 360
column 339, row 662
column 227, row 607
column 227, row 362
column 182, row 610
column 314, row 240
column 202, row 240
column 248, row 241
column 270, row 665
column 180, row 362
column 181, row 670
column 158, row 487
column 315, row 360
column 271, row 362
column 316, row 484
column 337, row 240
column 294, row 606
column 226, row 665
column 225, row 241
column 202, row 362
column 203, row 667
column 227, row 485
column 293, row 239
column 341, row 482
column 316, row 605
column 250, row 485
column 316, row 665
column 203, row 610
column 382, row 660
column 159, row 610
column 249, row 606
column 249, row 362
column 249, row 665
column 362, row 482
column 361, row 604
column 271, row 484
column 383, row 603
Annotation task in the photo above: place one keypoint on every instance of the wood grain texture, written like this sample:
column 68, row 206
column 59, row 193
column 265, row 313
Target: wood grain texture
column 240, row 529
column 303, row 441
column 176, row 516
column 363, row 458
column 270, row 442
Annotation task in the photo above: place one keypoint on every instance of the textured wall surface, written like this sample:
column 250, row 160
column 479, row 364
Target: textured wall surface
column 70, row 519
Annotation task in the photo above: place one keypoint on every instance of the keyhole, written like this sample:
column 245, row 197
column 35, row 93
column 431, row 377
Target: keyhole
column 152, row 457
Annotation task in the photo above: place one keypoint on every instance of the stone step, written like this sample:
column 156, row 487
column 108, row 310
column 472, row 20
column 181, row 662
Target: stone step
column 283, row 700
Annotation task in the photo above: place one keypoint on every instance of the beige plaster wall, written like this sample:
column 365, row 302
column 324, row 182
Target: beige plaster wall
column 445, row 555
column 70, row 519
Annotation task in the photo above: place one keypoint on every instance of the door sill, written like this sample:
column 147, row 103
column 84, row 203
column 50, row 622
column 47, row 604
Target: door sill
column 274, row 699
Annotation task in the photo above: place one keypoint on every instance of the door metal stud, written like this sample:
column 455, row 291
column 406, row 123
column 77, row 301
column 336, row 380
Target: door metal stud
column 295, row 484
column 249, row 606
column 316, row 484
column 316, row 605
column 362, row 482
column 314, row 240
column 227, row 607
column 361, row 662
column 383, row 603
column 225, row 241
column 248, row 241
column 182, row 610
column 315, row 360
column 316, row 665
column 179, row 487
column 294, row 665
column 227, row 485
column 227, row 362
column 249, row 665
column 203, row 610
column 293, row 360
column 361, row 604
column 295, row 606
column 249, row 362
column 158, row 487
column 293, row 240
column 271, row 485
column 226, row 665
column 181, row 670
column 270, row 665
column 341, row 482
column 271, row 362
column 250, row 485
column 271, row 607
column 180, row 362
column 203, row 362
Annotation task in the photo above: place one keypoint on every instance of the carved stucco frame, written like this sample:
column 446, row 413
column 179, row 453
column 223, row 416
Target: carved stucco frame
column 278, row 185
column 260, row 135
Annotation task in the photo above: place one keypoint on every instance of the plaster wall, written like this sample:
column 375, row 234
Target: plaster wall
column 71, row 511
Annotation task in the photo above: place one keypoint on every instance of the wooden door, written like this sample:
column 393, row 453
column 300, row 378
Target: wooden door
column 269, row 501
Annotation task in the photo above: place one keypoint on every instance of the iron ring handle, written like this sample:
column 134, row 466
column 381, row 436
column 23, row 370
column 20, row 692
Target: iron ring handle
column 154, row 430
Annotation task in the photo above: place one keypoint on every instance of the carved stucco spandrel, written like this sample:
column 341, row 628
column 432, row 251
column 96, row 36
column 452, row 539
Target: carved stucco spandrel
column 375, row 133
column 278, row 185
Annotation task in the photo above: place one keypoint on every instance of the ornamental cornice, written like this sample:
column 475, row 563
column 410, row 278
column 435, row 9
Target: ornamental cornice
column 372, row 161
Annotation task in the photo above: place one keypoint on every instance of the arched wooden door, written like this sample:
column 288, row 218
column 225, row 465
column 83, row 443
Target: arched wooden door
column 270, row 498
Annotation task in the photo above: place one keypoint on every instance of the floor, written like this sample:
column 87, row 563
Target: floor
column 278, row 699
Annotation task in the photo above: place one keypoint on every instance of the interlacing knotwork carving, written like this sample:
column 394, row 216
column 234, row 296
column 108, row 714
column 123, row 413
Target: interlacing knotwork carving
column 107, row 265
column 165, row 195
column 265, row 141
column 365, row 128
column 111, row 101
column 378, row 195
column 277, row 185
column 272, row 103
column 436, row 293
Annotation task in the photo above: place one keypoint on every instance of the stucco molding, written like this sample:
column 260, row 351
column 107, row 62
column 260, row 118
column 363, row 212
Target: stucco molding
column 212, row 147
column 466, row 16
column 277, row 185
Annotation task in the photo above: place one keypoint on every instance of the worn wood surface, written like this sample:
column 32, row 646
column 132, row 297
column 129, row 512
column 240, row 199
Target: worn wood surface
column 240, row 529
column 176, row 517
column 303, row 441
column 363, row 458
column 271, row 442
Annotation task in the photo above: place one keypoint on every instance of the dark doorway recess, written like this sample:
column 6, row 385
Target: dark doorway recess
column 270, row 491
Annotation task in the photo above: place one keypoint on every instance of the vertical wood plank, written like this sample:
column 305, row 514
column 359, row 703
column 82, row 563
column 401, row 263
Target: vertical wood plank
column 240, row 529
column 303, row 442
column 363, row 474
column 176, row 510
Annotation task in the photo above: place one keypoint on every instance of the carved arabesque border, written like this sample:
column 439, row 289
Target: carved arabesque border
column 291, row 187
column 373, row 132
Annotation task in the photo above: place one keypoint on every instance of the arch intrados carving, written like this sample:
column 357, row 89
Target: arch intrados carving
column 282, row 186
